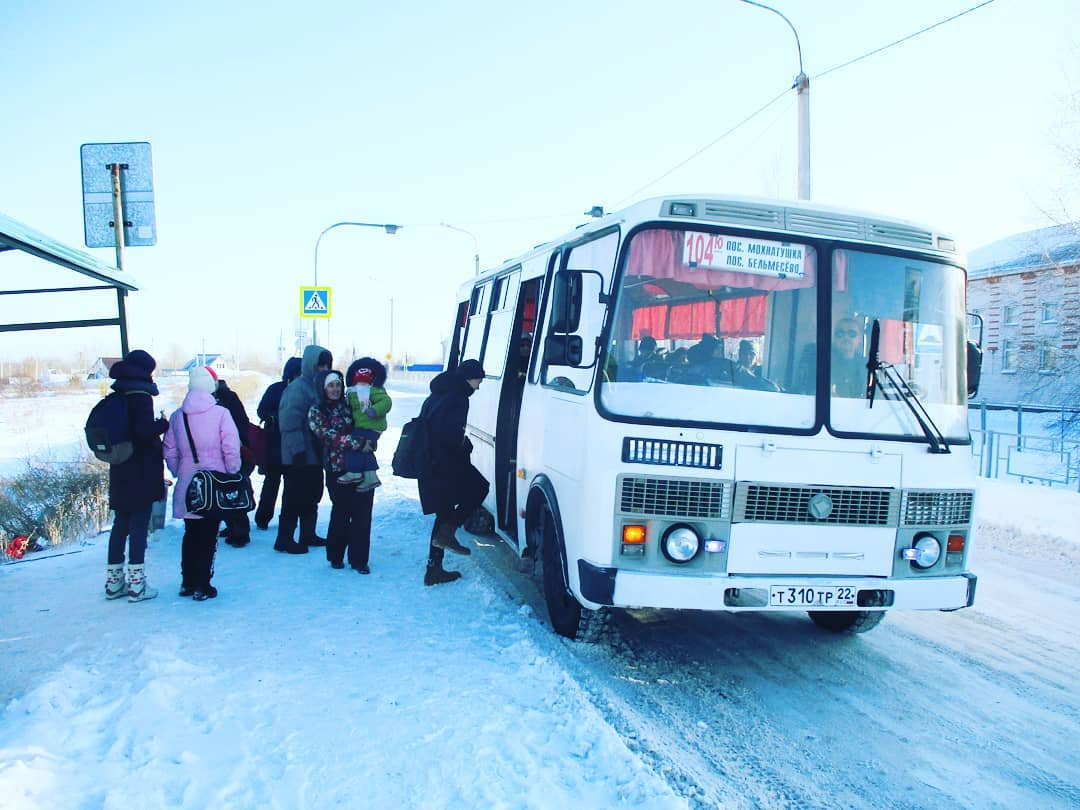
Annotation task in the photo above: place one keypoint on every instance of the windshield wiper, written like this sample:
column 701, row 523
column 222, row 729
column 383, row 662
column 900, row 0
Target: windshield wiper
column 903, row 391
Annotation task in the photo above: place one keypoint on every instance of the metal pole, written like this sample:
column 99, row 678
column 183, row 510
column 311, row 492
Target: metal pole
column 802, row 93
column 120, row 295
column 118, row 213
column 391, row 333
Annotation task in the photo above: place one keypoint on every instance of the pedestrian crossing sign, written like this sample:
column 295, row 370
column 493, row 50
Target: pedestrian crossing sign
column 314, row 302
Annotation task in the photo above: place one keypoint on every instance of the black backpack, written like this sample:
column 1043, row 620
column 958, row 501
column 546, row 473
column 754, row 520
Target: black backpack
column 412, row 458
column 108, row 430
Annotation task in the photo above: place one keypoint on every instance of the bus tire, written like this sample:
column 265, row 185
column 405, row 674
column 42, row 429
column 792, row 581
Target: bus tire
column 568, row 617
column 847, row 621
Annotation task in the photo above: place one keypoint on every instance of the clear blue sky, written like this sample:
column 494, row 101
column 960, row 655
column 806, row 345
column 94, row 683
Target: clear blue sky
column 269, row 122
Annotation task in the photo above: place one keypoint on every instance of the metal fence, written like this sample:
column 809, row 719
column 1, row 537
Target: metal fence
column 1039, row 450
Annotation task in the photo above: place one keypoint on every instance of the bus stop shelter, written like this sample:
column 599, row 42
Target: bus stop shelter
column 15, row 235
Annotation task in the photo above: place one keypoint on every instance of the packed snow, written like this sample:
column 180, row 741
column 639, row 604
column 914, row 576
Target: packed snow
column 305, row 687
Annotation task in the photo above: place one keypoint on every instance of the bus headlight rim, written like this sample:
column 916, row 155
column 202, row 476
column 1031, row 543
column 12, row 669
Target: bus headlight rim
column 681, row 543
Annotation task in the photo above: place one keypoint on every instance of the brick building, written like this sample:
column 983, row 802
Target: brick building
column 1027, row 290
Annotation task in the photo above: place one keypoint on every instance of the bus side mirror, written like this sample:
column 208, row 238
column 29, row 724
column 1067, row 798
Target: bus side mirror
column 566, row 301
column 563, row 350
column 974, row 368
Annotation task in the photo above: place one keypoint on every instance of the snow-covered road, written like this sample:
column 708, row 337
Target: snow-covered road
column 303, row 687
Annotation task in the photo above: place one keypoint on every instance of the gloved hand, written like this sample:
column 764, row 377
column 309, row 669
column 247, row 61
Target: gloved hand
column 370, row 412
column 161, row 425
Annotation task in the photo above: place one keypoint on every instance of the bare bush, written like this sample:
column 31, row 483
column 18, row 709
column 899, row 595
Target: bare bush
column 53, row 503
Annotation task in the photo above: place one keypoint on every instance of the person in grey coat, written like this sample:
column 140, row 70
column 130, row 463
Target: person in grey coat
column 301, row 458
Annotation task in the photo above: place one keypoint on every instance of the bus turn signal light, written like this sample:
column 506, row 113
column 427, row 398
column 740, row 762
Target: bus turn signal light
column 633, row 534
column 956, row 542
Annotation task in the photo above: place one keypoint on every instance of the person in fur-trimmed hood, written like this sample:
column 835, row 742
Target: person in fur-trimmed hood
column 369, row 404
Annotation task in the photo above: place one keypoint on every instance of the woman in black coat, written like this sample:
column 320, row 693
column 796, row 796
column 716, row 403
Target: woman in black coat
column 271, row 469
column 135, row 484
column 452, row 488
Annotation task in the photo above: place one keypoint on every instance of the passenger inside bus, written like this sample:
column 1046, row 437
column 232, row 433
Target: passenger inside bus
column 708, row 365
column 747, row 372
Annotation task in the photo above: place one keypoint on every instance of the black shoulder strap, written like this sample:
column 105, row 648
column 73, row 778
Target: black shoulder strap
column 191, row 441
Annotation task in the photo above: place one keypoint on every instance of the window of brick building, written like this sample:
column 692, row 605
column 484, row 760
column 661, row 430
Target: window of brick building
column 1049, row 312
column 1048, row 358
column 1010, row 356
column 1011, row 314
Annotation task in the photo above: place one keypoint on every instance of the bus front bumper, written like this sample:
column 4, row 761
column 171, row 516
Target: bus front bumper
column 622, row 588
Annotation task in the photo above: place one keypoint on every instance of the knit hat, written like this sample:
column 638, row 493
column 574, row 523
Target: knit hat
column 471, row 370
column 330, row 377
column 141, row 360
column 362, row 376
column 202, row 378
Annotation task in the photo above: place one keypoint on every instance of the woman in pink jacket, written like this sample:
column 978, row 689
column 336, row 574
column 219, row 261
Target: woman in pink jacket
column 218, row 446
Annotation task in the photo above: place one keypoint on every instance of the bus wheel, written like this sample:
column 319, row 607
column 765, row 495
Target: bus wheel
column 847, row 621
column 568, row 617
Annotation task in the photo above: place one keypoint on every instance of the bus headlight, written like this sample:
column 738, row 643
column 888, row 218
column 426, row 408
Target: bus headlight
column 924, row 552
column 681, row 543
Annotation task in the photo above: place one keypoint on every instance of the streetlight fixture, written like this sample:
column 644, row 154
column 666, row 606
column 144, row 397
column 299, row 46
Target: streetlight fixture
column 802, row 94
column 476, row 245
column 390, row 229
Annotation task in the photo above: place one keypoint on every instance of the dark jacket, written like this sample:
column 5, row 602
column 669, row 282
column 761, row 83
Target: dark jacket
column 446, row 411
column 268, row 413
column 140, row 480
column 230, row 401
column 331, row 423
column 297, row 444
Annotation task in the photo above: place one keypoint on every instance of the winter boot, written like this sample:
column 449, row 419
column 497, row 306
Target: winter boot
column 437, row 575
column 138, row 589
column 445, row 538
column 307, row 531
column 115, row 587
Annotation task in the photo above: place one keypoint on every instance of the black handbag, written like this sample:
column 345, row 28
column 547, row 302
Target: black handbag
column 213, row 494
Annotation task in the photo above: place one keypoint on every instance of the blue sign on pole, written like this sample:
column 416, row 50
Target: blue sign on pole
column 314, row 302
column 136, row 193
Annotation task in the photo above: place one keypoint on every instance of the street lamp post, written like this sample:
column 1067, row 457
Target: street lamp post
column 802, row 94
column 390, row 229
column 476, row 245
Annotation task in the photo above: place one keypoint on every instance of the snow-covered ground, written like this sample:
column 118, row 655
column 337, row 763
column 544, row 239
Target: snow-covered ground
column 305, row 687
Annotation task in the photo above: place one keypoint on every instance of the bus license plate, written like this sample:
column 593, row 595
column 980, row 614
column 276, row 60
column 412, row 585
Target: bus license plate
column 812, row 596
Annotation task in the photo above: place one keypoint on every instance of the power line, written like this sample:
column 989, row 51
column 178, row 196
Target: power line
column 938, row 24
column 706, row 147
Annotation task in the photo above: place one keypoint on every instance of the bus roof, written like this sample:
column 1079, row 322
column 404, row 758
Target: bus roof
column 796, row 217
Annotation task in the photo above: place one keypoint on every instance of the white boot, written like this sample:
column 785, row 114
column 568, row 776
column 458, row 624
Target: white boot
column 115, row 587
column 138, row 590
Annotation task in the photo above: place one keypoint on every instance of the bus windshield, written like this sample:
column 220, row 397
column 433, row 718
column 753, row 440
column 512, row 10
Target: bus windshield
column 726, row 319
column 717, row 328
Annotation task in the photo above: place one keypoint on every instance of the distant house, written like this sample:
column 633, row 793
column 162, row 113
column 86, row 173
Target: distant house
column 100, row 369
column 215, row 361
column 1026, row 288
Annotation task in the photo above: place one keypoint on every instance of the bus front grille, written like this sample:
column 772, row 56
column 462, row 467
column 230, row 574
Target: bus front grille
column 937, row 508
column 842, row 506
column 672, row 497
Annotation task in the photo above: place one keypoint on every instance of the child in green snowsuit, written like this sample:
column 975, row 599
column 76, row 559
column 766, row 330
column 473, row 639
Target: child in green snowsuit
column 369, row 404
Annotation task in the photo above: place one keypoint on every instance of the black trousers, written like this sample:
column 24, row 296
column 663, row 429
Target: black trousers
column 300, row 502
column 350, row 524
column 129, row 528
column 472, row 488
column 197, row 552
column 268, row 496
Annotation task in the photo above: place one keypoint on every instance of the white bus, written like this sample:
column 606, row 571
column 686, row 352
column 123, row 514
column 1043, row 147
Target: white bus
column 680, row 412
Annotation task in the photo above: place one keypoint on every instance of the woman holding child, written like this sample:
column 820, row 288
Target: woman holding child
column 347, row 428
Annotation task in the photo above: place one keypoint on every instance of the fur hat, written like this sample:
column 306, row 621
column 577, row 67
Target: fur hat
column 202, row 378
column 330, row 377
column 362, row 376
column 471, row 370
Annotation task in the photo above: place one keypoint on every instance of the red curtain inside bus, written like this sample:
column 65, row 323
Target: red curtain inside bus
column 739, row 317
